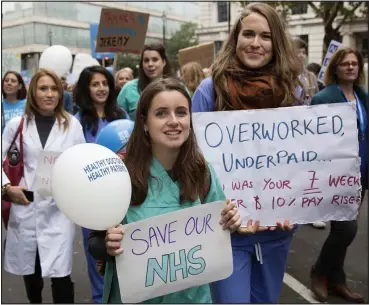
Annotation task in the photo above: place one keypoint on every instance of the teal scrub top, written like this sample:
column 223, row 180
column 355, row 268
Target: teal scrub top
column 162, row 198
column 128, row 98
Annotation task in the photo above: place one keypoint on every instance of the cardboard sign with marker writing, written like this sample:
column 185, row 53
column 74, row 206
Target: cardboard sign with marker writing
column 203, row 54
column 121, row 31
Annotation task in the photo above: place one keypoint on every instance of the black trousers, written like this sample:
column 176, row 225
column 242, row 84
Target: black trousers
column 332, row 256
column 62, row 287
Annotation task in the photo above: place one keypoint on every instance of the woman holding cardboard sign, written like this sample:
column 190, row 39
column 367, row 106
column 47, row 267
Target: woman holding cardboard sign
column 343, row 79
column 256, row 68
column 168, row 175
column 154, row 63
column 40, row 237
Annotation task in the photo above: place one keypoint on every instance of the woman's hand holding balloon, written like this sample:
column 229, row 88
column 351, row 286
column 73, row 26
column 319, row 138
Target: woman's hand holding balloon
column 113, row 239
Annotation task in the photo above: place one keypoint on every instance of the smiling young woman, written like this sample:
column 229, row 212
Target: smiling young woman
column 14, row 97
column 47, row 242
column 95, row 95
column 169, row 174
column 256, row 68
column 154, row 63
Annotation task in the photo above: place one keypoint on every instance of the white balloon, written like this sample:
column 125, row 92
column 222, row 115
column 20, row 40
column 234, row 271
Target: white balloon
column 81, row 61
column 56, row 58
column 91, row 186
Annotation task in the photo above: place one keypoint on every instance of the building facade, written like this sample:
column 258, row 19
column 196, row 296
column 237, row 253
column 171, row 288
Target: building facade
column 302, row 23
column 28, row 28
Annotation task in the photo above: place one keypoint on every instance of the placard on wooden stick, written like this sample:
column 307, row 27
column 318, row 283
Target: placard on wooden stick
column 203, row 54
column 121, row 31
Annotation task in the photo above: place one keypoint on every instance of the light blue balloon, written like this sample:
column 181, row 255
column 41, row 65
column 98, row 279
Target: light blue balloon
column 115, row 135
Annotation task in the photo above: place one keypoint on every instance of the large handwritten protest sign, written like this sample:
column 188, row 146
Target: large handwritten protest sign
column 121, row 31
column 332, row 48
column 46, row 161
column 299, row 164
column 172, row 252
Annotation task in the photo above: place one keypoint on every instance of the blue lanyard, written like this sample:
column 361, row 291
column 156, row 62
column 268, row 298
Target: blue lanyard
column 359, row 111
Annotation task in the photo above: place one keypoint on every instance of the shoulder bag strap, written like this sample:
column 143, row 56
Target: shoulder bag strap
column 19, row 132
column 20, row 129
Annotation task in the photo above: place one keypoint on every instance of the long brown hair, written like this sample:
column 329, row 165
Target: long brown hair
column 190, row 167
column 330, row 76
column 31, row 105
column 192, row 75
column 143, row 80
column 285, row 63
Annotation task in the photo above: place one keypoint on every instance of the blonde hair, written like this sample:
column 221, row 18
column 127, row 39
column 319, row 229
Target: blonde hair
column 285, row 62
column 192, row 75
column 31, row 105
column 330, row 75
column 128, row 70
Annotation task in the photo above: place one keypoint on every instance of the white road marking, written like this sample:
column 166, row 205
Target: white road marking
column 299, row 288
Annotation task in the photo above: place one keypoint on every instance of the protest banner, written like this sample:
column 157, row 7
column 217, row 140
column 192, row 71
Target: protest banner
column 121, row 31
column 203, row 54
column 299, row 164
column 333, row 47
column 172, row 252
column 93, row 37
column 46, row 161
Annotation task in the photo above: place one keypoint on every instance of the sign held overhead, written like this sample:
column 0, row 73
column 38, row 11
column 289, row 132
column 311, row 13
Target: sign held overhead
column 203, row 54
column 121, row 31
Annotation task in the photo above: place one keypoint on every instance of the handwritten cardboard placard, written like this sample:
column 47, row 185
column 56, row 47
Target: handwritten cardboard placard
column 299, row 164
column 46, row 161
column 121, row 31
column 172, row 252
column 203, row 54
column 333, row 47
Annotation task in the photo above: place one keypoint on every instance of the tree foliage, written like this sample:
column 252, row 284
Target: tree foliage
column 333, row 14
column 185, row 37
column 329, row 11
column 128, row 61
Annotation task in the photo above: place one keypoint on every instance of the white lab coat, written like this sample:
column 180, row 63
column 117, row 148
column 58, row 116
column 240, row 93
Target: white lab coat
column 40, row 224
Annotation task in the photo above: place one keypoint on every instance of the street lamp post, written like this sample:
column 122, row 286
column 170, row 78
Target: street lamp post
column 164, row 18
column 50, row 37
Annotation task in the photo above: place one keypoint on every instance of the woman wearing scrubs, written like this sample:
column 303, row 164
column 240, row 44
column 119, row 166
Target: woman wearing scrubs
column 154, row 63
column 257, row 68
column 168, row 175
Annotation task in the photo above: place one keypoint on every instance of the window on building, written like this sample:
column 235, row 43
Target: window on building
column 13, row 37
column 222, row 11
column 299, row 8
column 29, row 33
column 305, row 38
column 364, row 49
column 362, row 44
